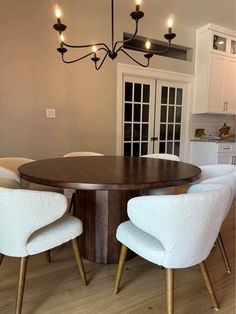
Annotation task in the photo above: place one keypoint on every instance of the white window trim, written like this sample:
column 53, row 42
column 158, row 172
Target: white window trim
column 125, row 69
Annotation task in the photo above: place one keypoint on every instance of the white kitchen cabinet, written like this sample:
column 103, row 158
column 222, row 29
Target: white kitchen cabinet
column 208, row 153
column 215, row 74
column 229, row 93
column 222, row 82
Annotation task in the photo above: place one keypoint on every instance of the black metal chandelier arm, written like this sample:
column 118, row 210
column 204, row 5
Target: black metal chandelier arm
column 75, row 60
column 103, row 60
column 139, row 63
column 85, row 46
column 161, row 51
column 126, row 40
column 83, row 57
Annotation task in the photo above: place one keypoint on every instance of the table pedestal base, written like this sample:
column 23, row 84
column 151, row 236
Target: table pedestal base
column 101, row 212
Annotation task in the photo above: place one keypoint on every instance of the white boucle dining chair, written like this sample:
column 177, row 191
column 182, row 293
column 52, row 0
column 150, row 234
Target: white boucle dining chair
column 221, row 174
column 32, row 222
column 174, row 231
column 12, row 164
column 9, row 179
column 72, row 191
column 163, row 156
column 212, row 171
column 161, row 191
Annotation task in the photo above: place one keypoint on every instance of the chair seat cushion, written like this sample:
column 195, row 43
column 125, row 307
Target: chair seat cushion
column 140, row 242
column 9, row 183
column 55, row 234
column 161, row 191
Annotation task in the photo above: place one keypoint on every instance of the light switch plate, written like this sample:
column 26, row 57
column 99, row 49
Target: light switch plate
column 50, row 113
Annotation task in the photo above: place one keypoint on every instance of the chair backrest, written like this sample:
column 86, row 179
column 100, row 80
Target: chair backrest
column 228, row 179
column 7, row 173
column 163, row 156
column 211, row 171
column 9, row 179
column 187, row 225
column 78, row 154
column 22, row 212
column 13, row 163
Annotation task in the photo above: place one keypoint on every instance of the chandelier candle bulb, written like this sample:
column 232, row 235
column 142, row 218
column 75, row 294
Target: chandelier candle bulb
column 94, row 48
column 62, row 38
column 148, row 44
column 170, row 25
column 138, row 2
column 58, row 15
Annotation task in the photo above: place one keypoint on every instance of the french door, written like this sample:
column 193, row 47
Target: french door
column 152, row 116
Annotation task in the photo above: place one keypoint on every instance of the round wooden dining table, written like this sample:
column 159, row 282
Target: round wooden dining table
column 103, row 185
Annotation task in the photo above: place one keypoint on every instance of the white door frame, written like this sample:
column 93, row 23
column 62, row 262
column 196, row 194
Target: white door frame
column 125, row 69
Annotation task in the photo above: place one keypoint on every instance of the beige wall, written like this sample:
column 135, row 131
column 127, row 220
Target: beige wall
column 33, row 78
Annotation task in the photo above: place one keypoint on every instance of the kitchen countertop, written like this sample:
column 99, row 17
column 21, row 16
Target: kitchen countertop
column 213, row 140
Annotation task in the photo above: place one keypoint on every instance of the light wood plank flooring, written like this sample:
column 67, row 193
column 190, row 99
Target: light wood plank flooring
column 57, row 289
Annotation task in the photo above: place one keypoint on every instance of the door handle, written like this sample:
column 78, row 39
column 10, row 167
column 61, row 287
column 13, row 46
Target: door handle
column 233, row 160
column 224, row 109
column 226, row 105
column 154, row 138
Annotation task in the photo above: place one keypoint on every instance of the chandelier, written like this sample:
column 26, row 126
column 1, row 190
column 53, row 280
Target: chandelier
column 99, row 51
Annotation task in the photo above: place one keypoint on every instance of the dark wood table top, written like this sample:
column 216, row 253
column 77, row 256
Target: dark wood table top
column 109, row 173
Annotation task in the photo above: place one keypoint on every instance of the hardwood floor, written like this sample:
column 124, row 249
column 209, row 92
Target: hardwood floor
column 56, row 288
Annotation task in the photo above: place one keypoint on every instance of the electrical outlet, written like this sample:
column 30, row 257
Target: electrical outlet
column 50, row 113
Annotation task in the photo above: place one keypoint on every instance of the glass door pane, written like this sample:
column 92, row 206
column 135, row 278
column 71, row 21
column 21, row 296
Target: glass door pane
column 219, row 43
column 138, row 115
column 233, row 47
column 169, row 111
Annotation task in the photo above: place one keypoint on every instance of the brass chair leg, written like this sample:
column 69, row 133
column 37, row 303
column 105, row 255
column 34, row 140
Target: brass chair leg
column 71, row 207
column 48, row 256
column 170, row 290
column 123, row 253
column 220, row 242
column 21, row 284
column 79, row 261
column 209, row 285
column 1, row 258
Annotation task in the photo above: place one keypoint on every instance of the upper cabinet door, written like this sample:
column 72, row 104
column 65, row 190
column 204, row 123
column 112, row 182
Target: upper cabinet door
column 233, row 46
column 216, row 84
column 230, row 86
column 215, row 90
column 219, row 43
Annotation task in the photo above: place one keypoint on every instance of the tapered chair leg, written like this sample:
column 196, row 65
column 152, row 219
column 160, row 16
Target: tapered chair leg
column 209, row 285
column 1, row 258
column 220, row 242
column 21, row 284
column 48, row 256
column 79, row 261
column 170, row 290
column 120, row 268
column 71, row 207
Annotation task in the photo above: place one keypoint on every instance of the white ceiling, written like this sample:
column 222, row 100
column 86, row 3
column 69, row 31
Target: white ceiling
column 189, row 13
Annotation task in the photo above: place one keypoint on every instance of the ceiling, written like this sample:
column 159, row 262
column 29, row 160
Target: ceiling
column 189, row 13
